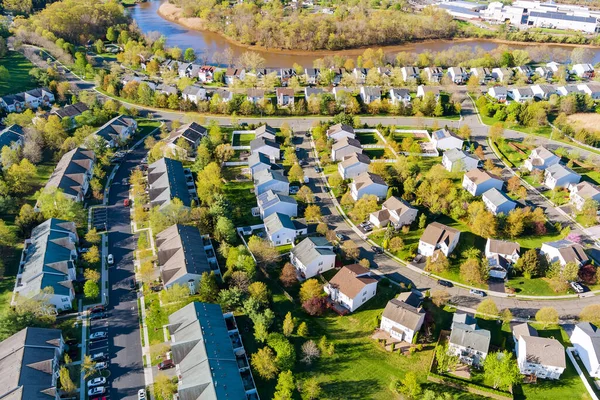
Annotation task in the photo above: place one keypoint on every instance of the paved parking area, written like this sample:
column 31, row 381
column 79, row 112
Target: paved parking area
column 100, row 218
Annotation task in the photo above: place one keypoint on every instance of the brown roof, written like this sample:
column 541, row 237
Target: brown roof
column 573, row 253
column 367, row 178
column 397, row 204
column 478, row 176
column 403, row 313
column 284, row 91
column 437, row 233
column 355, row 158
column 351, row 279
column 503, row 246
column 339, row 127
column 523, row 329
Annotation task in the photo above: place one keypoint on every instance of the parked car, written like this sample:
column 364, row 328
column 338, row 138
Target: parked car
column 167, row 364
column 476, row 292
column 445, row 283
column 368, row 228
column 84, row 250
column 303, row 163
column 142, row 394
column 317, row 168
column 377, row 249
column 96, row 316
column 126, row 202
column 97, row 382
column 294, row 189
column 306, row 179
column 577, row 287
column 96, row 391
column 98, row 336
column 110, row 259
column 96, row 309
column 307, row 133
column 100, row 366
column 340, row 236
column 99, row 356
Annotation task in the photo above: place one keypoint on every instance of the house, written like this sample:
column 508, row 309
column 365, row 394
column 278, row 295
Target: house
column 206, row 74
column 591, row 89
column 558, row 175
column 73, row 173
column 183, row 69
column 525, row 70
column 553, row 66
column 483, row 74
column 497, row 202
column 255, row 95
column 437, row 236
column 271, row 202
column 70, row 111
column 258, row 161
column 538, row 356
column 434, row 74
column 400, row 95
column 282, row 230
column 498, row 93
column 12, row 136
column 544, row 72
column 368, row 184
column 41, row 97
column 285, row 96
column 285, row 74
column 423, row 90
column 186, row 138
column 271, row 180
column 443, row 139
column 564, row 251
column 209, row 356
column 477, row 181
column 117, row 131
column 234, row 74
column 410, row 73
column 455, row 160
column 312, row 91
column 369, row 94
column 543, row 92
column 505, row 249
column 267, row 147
column 353, row 165
column 540, row 158
column 395, row 211
column 184, row 254
column 167, row 180
column 582, row 192
column 223, row 94
column 360, row 74
column 312, row 75
column 344, row 147
column 402, row 320
column 341, row 93
column 566, row 90
column 470, row 343
column 338, row 73
column 13, row 103
column 502, row 74
column 168, row 90
column 351, row 287
column 340, row 131
column 586, row 340
column 48, row 262
column 459, row 75
column 522, row 94
column 585, row 71
column 30, row 361
column 194, row 93
column 265, row 132
column 312, row 256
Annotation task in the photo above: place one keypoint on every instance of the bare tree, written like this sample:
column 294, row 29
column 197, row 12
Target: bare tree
column 310, row 352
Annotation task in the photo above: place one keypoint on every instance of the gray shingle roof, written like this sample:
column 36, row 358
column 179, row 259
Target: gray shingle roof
column 496, row 197
column 115, row 127
column 465, row 336
column 346, row 142
column 269, row 198
column 70, row 171
column 266, row 175
column 277, row 221
column 403, row 313
column 191, row 132
column 456, row 155
column 544, row 351
column 312, row 248
column 258, row 143
column 10, row 135
column 167, row 181
column 558, row 171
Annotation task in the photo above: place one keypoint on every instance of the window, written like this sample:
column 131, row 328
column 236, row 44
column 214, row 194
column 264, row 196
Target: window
column 320, row 263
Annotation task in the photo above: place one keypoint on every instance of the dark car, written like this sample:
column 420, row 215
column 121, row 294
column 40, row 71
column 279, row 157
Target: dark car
column 98, row 316
column 317, row 168
column 303, row 163
column 166, row 364
column 96, row 309
column 340, row 236
column 377, row 249
column 445, row 283
column 132, row 285
column 307, row 134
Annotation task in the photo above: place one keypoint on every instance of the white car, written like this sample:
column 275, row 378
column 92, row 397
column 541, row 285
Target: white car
column 100, row 366
column 98, row 335
column 96, row 391
column 476, row 292
column 96, row 382
column 142, row 394
column 111, row 259
column 577, row 287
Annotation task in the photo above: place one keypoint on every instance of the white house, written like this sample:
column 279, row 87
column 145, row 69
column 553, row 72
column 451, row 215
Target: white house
column 312, row 256
column 402, row 320
column 410, row 73
column 586, row 340
column 352, row 286
column 455, row 160
column 540, row 158
column 340, row 131
column 285, row 96
column 558, row 175
column 282, row 230
column 566, row 90
column 498, row 92
column 353, row 165
column 434, row 74
column 564, row 251
column 478, row 181
column 543, row 92
column 270, row 202
column 502, row 74
column 369, row 94
column 505, row 249
column 582, row 192
column 194, row 93
column 258, row 161
column 366, row 184
column 443, row 139
column 345, row 147
column 459, row 75
column 525, row 70
column 423, row 90
column 118, row 130
column 267, row 147
column 553, row 66
column 271, row 180
column 400, row 95
column 255, row 95
column 265, row 132
column 483, row 74
column 438, row 237
column 585, row 71
column 497, row 202
column 544, row 72
column 537, row 356
column 312, row 75
column 395, row 211
column 470, row 343
column 591, row 89
column 522, row 94
column 206, row 74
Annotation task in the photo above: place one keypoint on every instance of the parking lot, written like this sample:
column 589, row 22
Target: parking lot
column 99, row 218
column 98, row 324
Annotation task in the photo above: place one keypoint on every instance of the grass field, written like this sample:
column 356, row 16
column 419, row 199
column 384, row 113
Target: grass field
column 242, row 200
column 374, row 153
column 18, row 68
column 242, row 139
column 367, row 138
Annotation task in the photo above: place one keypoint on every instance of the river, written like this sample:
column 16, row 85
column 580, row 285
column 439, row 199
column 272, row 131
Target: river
column 207, row 43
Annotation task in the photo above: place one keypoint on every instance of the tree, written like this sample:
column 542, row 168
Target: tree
column 445, row 360
column 209, row 183
column 502, row 370
column 91, row 290
column 310, row 289
column 91, row 275
column 306, row 195
column 350, row 250
column 285, row 386
column 473, row 271
column 591, row 313
column 313, row 213
column 66, row 383
column 496, row 132
column 208, row 289
column 440, row 297
column 189, row 55
column 437, row 263
column 296, row 174
column 326, row 347
column 302, row 330
column 410, row 385
column 311, row 389
column 175, row 294
column 92, row 236
column 315, row 306
column 547, row 316
column 20, row 176
column 260, row 292
column 53, row 203
column 363, row 207
column 225, row 230
column 310, row 352
column 286, row 353
column 396, row 244
column 288, row 324
column 589, row 212
column 529, row 264
column 261, row 333
column 506, row 316
column 488, row 309
column 288, row 275
column 263, row 251
column 146, row 271
column 88, row 366
column 164, row 386
column 92, row 256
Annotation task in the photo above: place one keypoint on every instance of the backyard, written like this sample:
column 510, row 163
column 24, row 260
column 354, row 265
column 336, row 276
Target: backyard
column 242, row 199
column 242, row 139
column 19, row 79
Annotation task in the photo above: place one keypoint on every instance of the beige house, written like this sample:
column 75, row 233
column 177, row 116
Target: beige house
column 395, row 211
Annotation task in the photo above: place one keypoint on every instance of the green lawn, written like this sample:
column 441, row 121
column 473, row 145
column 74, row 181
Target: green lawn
column 374, row 153
column 513, row 156
column 242, row 200
column 588, row 174
column 367, row 138
column 533, row 286
column 18, row 68
column 330, row 169
column 242, row 139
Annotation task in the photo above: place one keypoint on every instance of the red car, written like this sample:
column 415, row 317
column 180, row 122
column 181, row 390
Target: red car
column 96, row 309
column 126, row 202
column 167, row 364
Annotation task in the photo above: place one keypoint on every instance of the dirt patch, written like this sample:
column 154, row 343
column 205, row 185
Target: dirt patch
column 587, row 121
column 172, row 13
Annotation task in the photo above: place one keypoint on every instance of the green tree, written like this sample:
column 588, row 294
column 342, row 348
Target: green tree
column 92, row 236
column 311, row 389
column 437, row 263
column 260, row 292
column 189, row 55
column 474, row 271
column 502, row 370
column 296, row 174
column 529, row 264
column 302, row 330
column 111, row 34
column 225, row 230
column 445, row 360
column 547, row 316
column 91, row 290
column 286, row 353
column 91, row 275
column 53, row 203
column 208, row 289
column 263, row 362
column 285, row 386
column 591, row 313
column 410, row 385
column 288, row 324
column 156, row 316
column 66, row 383
column 20, row 176
column 312, row 213
column 488, row 309
column 363, row 207
column 164, row 386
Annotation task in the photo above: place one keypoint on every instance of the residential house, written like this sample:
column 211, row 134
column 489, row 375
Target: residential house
column 483, row 74
column 30, row 361
column 312, row 256
column 400, row 95
column 70, row 111
column 525, row 70
column 522, row 94
column 498, row 93
column 271, row 202
column 312, row 75
column 344, row 147
column 395, row 211
column 497, row 202
column 168, row 180
column 338, row 73
column 206, row 74
column 501, row 255
column 286, row 74
column 440, row 237
column 368, row 183
column 209, row 356
column 443, row 139
column 255, row 95
column 591, row 89
column 566, row 90
column 223, row 94
column 267, row 147
column 434, row 74
column 470, row 343
column 234, row 74
column 410, row 73
column 543, row 92
column 423, row 90
column 502, row 74
column 402, row 320
column 553, row 66
column 285, row 96
column 194, row 93
column 166, row 89
column 455, row 160
column 352, row 287
column 558, row 175
column 271, row 180
column 184, row 254
column 13, row 103
column 183, row 69
column 540, row 158
column 585, row 71
column 118, row 130
column 478, row 181
column 544, row 72
column 340, row 131
column 538, row 356
column 310, row 91
column 586, row 340
column 340, row 92
column 258, row 161
column 41, row 97
column 369, row 94
column 12, row 136
column 130, row 78
column 353, row 165
column 48, row 262
column 564, row 252
column 459, row 75
column 186, row 138
column 73, row 173
column 282, row 230
column 265, row 132
column 360, row 74
column 582, row 192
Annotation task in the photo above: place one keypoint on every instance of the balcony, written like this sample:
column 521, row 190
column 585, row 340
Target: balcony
column 236, row 341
